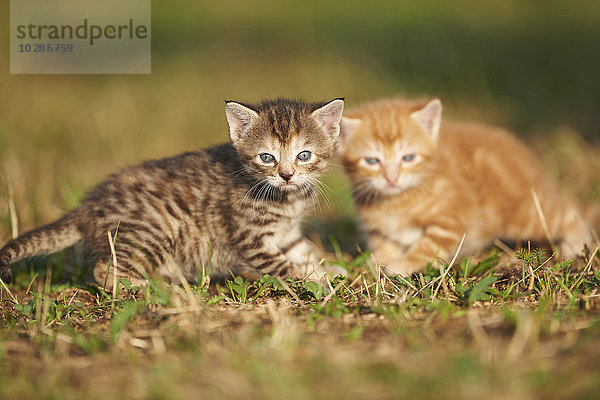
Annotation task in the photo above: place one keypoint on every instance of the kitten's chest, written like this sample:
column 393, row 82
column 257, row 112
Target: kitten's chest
column 408, row 235
column 281, row 216
column 405, row 235
column 393, row 225
column 285, row 224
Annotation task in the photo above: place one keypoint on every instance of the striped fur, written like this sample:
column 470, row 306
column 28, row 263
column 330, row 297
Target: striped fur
column 221, row 207
column 429, row 186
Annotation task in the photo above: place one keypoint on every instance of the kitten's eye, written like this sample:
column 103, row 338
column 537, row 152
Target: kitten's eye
column 372, row 160
column 409, row 157
column 266, row 158
column 304, row 155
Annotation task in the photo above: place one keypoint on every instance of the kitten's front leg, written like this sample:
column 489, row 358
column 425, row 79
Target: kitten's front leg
column 259, row 257
column 296, row 259
column 304, row 254
column 388, row 253
column 437, row 242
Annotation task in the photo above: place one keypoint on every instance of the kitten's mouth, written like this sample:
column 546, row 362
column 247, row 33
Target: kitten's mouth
column 392, row 189
column 287, row 185
column 399, row 186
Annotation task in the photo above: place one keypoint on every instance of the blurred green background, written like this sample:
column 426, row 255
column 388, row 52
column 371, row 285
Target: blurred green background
column 531, row 66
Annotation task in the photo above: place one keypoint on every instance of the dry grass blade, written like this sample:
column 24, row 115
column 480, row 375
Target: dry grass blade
column 115, row 272
column 331, row 293
column 46, row 302
column 73, row 297
column 14, row 220
column 31, row 283
column 290, row 291
column 587, row 268
column 351, row 292
column 366, row 285
column 392, row 283
column 531, row 273
column 38, row 300
column 386, row 273
column 175, row 270
column 14, row 299
column 355, row 281
column 502, row 246
column 403, row 279
column 540, row 212
column 445, row 270
column 328, row 282
column 158, row 343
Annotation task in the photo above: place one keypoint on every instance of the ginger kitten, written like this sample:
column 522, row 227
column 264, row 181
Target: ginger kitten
column 419, row 184
column 237, row 206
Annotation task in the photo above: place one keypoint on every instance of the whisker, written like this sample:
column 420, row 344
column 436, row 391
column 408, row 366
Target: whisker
column 320, row 188
column 249, row 192
column 364, row 192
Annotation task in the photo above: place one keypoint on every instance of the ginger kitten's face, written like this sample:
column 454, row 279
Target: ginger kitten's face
column 388, row 146
column 285, row 143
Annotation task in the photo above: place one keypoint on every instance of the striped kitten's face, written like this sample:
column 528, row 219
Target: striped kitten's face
column 387, row 147
column 285, row 143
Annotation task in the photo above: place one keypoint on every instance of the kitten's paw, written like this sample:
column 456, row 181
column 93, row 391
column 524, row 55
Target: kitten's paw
column 401, row 269
column 318, row 273
column 567, row 251
column 335, row 270
column 5, row 271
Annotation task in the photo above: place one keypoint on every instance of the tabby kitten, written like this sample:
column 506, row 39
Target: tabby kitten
column 237, row 206
column 420, row 184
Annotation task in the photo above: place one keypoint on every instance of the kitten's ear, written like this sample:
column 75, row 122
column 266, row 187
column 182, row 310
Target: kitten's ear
column 329, row 116
column 347, row 127
column 239, row 118
column 429, row 118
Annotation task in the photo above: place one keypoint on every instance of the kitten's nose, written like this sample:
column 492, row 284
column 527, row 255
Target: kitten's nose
column 286, row 170
column 391, row 174
column 286, row 175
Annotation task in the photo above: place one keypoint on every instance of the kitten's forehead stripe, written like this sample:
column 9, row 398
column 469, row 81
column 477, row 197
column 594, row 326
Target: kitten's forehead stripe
column 285, row 117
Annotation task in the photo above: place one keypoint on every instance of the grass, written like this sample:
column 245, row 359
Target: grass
column 525, row 327
column 497, row 326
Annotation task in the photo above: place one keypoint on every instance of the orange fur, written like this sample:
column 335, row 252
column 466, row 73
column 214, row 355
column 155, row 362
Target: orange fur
column 469, row 179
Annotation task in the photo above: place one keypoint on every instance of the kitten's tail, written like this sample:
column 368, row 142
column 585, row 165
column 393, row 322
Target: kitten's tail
column 43, row 240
